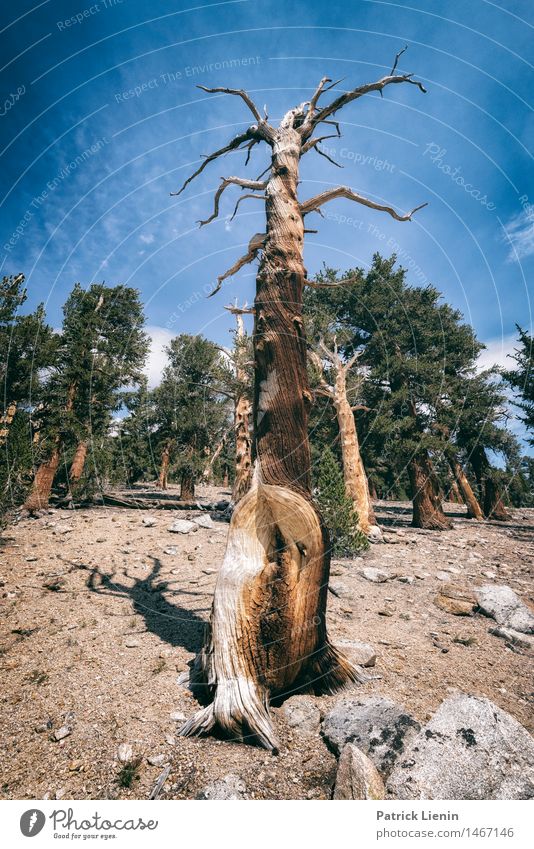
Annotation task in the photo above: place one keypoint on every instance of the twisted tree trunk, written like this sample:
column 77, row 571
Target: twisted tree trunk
column 473, row 507
column 78, row 462
column 187, row 486
column 489, row 491
column 427, row 508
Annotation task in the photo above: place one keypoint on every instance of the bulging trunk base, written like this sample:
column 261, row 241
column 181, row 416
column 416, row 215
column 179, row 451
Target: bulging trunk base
column 271, row 589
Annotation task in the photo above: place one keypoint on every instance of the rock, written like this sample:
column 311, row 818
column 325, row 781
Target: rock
column 125, row 753
column 131, row 643
column 357, row 777
column 390, row 539
column 514, row 638
column 205, row 521
column 455, row 599
column 302, row 713
column 101, row 539
column 171, row 549
column 182, row 526
column 177, row 715
column 62, row 733
column 502, row 604
column 361, row 654
column 377, row 576
column 31, row 558
column 149, row 522
column 229, row 787
column 157, row 760
column 191, row 557
column 378, row 726
column 340, row 590
column 54, row 583
column 406, row 579
column 470, row 749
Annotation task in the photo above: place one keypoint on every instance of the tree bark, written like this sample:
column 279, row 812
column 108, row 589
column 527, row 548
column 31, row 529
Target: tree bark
column 164, row 467
column 187, row 486
column 427, row 508
column 473, row 507
column 42, row 483
column 267, row 632
column 489, row 492
column 78, row 462
column 6, row 421
column 356, row 485
column 243, row 449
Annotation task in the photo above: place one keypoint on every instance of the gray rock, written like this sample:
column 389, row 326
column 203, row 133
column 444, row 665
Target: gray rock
column 377, row 576
column 124, row 753
column 514, row 638
column 171, row 549
column 229, row 787
column 302, row 713
column 406, row 579
column 205, row 521
column 61, row 733
column 177, row 715
column 502, row 604
column 357, row 777
column 378, row 726
column 131, row 643
column 340, row 590
column 149, row 522
column 471, row 749
column 157, row 760
column 361, row 654
column 182, row 526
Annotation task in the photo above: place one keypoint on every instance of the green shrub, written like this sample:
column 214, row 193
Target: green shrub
column 337, row 509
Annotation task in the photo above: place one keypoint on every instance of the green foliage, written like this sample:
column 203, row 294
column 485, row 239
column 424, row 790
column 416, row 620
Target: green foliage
column 337, row 509
column 522, row 378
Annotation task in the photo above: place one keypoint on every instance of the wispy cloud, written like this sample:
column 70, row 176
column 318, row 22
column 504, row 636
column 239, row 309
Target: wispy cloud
column 157, row 359
column 520, row 235
column 148, row 239
column 496, row 352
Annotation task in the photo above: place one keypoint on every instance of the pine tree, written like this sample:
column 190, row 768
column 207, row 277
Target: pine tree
column 522, row 378
column 337, row 508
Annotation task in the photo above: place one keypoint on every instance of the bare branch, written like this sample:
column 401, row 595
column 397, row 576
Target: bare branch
column 324, row 388
column 235, row 144
column 254, row 246
column 314, row 204
column 357, row 407
column 313, row 142
column 239, row 93
column 326, row 156
column 397, row 57
column 244, row 197
column 332, row 356
column 231, row 181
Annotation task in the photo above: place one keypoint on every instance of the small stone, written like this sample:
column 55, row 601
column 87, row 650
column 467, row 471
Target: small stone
column 131, row 643
column 125, row 753
column 101, row 539
column 149, row 522
column 171, row 550
column 377, row 576
column 31, row 558
column 205, row 521
column 157, row 760
column 210, row 571
column 229, row 787
column 177, row 716
column 301, row 712
column 75, row 766
column 406, row 579
column 62, row 733
column 357, row 777
column 340, row 590
column 182, row 526
column 191, row 557
column 361, row 654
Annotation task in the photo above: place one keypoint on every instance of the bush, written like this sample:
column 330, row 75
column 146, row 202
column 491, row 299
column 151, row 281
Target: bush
column 337, row 509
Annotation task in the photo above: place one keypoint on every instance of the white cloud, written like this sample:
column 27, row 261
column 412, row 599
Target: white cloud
column 147, row 240
column 157, row 359
column 520, row 236
column 496, row 352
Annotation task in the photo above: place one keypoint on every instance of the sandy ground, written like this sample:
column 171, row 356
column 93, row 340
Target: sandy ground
column 98, row 620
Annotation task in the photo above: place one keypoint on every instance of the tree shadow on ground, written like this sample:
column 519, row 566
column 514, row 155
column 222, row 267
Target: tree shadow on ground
column 176, row 625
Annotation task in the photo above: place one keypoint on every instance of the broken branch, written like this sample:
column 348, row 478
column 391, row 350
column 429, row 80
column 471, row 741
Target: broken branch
column 314, row 204
column 254, row 246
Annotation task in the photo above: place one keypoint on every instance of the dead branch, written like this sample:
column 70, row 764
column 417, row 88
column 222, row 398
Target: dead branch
column 254, row 246
column 235, row 144
column 242, row 198
column 231, row 181
column 238, row 92
column 314, row 204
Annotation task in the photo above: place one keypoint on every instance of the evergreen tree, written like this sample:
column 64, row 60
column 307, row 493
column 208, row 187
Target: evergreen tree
column 337, row 508
column 190, row 414
column 522, row 378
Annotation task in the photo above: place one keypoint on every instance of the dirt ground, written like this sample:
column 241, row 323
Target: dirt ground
column 98, row 620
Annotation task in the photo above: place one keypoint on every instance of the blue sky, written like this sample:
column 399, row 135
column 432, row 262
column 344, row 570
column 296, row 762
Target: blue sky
column 101, row 120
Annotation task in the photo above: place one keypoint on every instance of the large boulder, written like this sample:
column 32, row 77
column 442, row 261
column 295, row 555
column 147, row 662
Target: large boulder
column 502, row 604
column 357, row 777
column 377, row 726
column 470, row 749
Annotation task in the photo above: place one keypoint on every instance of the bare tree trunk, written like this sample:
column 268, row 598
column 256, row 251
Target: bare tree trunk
column 187, row 486
column 42, row 483
column 78, row 462
column 207, row 474
column 454, row 495
column 164, row 467
column 268, row 629
column 427, row 508
column 489, row 491
column 243, row 449
column 473, row 507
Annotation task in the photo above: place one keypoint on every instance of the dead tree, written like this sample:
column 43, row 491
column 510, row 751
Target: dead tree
column 468, row 496
column 267, row 632
column 242, row 410
column 356, row 485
